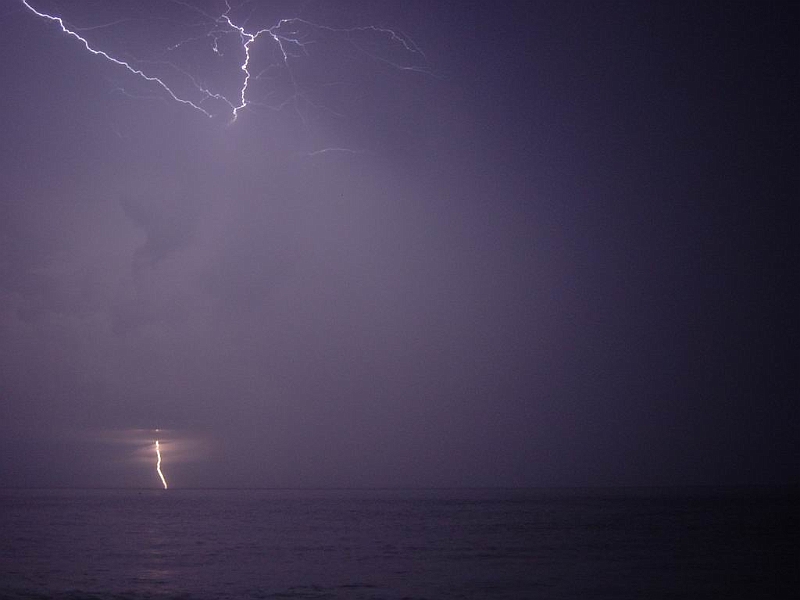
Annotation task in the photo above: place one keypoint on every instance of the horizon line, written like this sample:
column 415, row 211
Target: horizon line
column 411, row 488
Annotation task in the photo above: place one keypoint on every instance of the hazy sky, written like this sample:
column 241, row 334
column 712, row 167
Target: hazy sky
column 545, row 243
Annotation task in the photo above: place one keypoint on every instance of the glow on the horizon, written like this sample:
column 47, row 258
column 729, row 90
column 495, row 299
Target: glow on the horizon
column 158, row 466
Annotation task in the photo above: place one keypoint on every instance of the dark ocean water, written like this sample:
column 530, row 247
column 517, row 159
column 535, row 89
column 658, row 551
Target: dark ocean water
column 399, row 544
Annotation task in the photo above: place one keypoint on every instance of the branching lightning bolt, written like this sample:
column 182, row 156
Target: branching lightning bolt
column 116, row 61
column 289, row 35
column 158, row 465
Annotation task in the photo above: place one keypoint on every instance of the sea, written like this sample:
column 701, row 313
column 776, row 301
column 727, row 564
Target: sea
column 399, row 544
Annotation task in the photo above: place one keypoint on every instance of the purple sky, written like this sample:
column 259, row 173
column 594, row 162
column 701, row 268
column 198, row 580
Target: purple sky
column 555, row 250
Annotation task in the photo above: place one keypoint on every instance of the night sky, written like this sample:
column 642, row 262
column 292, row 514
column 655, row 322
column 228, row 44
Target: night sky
column 517, row 244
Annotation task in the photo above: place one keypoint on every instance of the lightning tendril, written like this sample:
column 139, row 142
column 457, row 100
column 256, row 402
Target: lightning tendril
column 158, row 465
column 114, row 60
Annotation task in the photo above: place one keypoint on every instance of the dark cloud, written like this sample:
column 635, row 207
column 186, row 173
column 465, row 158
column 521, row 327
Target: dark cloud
column 166, row 213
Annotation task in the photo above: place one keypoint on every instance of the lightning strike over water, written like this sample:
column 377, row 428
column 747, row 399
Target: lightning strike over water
column 158, row 466
column 292, row 39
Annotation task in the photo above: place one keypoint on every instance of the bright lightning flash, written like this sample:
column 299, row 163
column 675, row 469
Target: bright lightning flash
column 158, row 465
column 291, row 37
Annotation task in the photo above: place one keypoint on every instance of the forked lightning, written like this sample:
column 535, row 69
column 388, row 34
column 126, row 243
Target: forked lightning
column 286, row 34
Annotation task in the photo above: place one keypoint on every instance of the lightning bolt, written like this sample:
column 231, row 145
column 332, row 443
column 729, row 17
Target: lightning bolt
column 112, row 59
column 291, row 37
column 158, row 465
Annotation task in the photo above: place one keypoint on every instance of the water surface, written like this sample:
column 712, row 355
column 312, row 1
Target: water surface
column 398, row 544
